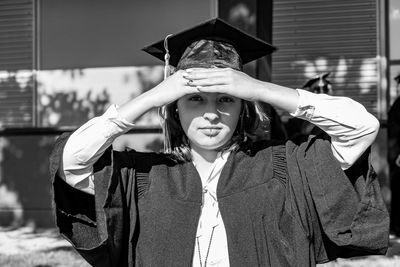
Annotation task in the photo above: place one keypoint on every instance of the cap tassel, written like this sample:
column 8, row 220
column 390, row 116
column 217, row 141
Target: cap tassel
column 167, row 68
column 167, row 73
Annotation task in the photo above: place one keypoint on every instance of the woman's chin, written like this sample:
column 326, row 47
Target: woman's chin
column 210, row 143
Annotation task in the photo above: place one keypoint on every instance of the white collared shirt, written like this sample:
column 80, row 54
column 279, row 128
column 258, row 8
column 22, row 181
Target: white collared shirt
column 211, row 242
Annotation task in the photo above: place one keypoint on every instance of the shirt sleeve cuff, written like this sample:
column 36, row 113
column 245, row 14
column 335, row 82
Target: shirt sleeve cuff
column 306, row 107
column 116, row 123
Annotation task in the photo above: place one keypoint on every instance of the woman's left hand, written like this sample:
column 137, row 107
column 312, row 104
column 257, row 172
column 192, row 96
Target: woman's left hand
column 226, row 81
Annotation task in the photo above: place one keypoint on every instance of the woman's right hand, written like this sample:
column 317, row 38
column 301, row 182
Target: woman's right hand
column 168, row 91
column 171, row 89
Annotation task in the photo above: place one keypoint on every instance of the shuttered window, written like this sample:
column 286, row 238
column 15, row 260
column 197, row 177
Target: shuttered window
column 337, row 36
column 16, row 63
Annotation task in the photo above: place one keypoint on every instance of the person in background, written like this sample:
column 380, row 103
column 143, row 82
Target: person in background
column 319, row 84
column 296, row 127
column 219, row 195
column 394, row 161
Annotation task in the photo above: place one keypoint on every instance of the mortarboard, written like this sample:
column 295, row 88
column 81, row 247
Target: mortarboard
column 319, row 84
column 397, row 79
column 212, row 43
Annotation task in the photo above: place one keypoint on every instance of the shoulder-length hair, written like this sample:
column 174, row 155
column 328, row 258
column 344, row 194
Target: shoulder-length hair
column 253, row 124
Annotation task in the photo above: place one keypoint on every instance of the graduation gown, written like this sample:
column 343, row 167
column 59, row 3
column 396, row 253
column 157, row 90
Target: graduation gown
column 393, row 153
column 286, row 204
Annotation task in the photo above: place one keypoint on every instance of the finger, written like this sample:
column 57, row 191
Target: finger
column 208, row 81
column 204, row 79
column 177, row 78
column 206, row 69
column 191, row 90
column 198, row 74
column 213, row 89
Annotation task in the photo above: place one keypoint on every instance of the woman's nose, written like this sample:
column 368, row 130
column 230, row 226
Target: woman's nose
column 211, row 116
column 211, row 113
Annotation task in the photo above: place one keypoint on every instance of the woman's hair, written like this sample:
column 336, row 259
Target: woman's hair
column 253, row 124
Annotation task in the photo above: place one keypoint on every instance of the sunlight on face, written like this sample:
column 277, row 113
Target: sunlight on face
column 209, row 119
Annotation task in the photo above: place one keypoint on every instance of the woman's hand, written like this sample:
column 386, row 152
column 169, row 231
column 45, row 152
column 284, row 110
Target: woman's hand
column 227, row 81
column 239, row 84
column 170, row 90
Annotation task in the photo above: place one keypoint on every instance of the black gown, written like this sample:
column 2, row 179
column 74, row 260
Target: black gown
column 284, row 204
column 393, row 153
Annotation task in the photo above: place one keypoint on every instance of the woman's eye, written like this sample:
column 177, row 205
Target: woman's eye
column 195, row 98
column 226, row 99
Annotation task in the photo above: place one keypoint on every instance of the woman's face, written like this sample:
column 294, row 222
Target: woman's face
column 209, row 119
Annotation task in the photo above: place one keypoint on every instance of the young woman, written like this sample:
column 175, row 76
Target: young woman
column 216, row 196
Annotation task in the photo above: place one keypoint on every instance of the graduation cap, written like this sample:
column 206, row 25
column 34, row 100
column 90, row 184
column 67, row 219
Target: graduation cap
column 214, row 43
column 397, row 79
column 319, row 84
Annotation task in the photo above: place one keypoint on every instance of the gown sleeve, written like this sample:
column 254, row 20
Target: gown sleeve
column 352, row 219
column 99, row 226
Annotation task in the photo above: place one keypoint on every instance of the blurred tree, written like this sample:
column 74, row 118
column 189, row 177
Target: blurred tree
column 16, row 100
column 66, row 109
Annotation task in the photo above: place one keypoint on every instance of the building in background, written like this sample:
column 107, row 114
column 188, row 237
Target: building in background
column 62, row 62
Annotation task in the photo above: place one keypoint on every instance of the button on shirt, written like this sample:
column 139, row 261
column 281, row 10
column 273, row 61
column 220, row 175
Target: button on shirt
column 351, row 128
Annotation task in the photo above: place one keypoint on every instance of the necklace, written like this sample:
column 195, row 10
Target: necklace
column 208, row 249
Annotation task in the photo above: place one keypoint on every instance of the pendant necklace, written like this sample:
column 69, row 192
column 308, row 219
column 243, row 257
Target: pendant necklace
column 208, row 249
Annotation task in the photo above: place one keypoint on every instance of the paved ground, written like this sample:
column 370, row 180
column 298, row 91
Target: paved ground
column 18, row 242
column 25, row 240
column 25, row 247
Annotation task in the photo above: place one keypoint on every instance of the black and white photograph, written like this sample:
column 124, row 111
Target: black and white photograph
column 200, row 133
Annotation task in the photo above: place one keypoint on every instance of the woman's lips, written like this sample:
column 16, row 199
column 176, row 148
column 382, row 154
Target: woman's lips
column 210, row 131
column 211, row 127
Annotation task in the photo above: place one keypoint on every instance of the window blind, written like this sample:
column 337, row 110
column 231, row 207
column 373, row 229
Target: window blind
column 16, row 63
column 337, row 36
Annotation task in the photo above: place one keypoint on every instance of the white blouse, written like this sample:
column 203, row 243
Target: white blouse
column 351, row 128
column 211, row 242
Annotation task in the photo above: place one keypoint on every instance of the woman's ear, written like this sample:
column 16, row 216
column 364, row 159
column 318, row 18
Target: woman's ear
column 246, row 111
column 242, row 117
column 175, row 111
